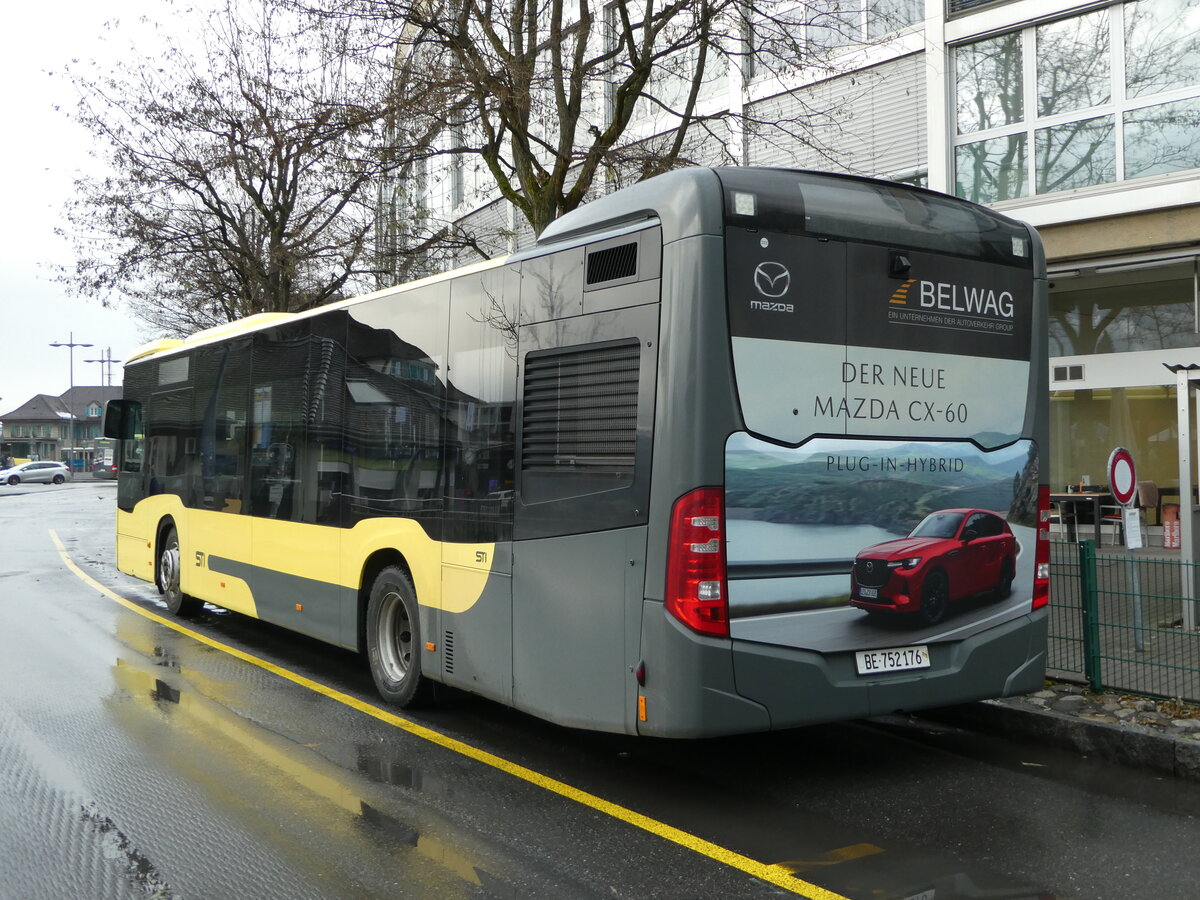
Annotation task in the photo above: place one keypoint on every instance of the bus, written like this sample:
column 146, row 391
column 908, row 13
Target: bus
column 729, row 450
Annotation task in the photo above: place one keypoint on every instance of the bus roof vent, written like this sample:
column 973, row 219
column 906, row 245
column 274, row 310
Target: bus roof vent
column 580, row 409
column 612, row 263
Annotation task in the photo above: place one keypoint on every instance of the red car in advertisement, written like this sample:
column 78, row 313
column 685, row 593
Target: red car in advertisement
column 952, row 554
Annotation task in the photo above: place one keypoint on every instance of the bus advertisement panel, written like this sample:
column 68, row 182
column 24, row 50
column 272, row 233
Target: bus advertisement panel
column 886, row 487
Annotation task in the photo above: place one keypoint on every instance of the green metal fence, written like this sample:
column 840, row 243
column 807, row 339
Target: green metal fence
column 1116, row 622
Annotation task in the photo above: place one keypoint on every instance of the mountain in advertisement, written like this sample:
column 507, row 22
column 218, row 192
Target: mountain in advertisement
column 888, row 485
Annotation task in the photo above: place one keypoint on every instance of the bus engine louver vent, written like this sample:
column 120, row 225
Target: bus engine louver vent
column 580, row 409
column 612, row 263
column 448, row 652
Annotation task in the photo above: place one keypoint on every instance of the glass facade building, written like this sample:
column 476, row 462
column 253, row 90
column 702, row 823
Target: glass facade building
column 1081, row 117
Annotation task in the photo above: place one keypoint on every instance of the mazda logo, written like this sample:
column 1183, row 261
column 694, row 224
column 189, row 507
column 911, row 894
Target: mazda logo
column 772, row 279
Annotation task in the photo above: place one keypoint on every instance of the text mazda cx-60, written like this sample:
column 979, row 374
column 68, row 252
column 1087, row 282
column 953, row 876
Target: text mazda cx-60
column 953, row 553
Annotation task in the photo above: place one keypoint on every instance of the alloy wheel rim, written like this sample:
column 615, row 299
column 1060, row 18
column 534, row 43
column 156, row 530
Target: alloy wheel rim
column 395, row 637
column 169, row 570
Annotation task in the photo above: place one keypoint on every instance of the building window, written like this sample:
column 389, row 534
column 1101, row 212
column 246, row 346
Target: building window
column 1094, row 99
column 957, row 7
column 886, row 16
column 1152, row 308
column 783, row 28
column 1086, row 424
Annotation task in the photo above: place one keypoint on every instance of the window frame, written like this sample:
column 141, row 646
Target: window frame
column 809, row 31
column 1033, row 124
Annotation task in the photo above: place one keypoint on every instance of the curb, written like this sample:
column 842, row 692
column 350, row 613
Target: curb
column 1113, row 743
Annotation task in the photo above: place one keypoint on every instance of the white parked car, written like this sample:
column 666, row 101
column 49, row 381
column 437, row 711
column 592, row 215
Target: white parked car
column 36, row 473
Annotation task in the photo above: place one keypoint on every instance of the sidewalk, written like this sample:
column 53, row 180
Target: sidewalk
column 1157, row 736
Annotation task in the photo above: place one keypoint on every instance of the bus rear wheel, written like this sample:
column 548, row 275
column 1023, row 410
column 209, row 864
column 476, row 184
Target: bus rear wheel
column 394, row 638
column 168, row 578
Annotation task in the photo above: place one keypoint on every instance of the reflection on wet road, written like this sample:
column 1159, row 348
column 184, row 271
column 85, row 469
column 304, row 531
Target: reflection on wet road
column 230, row 759
column 784, row 876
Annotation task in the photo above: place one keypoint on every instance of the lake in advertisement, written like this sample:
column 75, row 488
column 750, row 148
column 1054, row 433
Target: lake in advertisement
column 849, row 543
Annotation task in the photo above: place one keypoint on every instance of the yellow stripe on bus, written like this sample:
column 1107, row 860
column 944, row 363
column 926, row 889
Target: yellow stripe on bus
column 778, row 875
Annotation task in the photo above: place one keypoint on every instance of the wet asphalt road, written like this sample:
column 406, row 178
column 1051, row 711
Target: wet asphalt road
column 137, row 761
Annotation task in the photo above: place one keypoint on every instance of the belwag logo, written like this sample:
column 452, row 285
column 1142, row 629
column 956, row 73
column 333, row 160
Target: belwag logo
column 954, row 305
column 772, row 280
column 947, row 297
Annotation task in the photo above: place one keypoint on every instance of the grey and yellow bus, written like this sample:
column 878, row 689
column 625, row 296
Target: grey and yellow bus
column 726, row 451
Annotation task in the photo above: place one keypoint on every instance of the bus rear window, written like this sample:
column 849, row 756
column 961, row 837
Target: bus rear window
column 878, row 212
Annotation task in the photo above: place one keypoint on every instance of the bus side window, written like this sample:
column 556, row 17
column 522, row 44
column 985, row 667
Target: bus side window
column 223, row 376
column 171, row 441
column 479, row 452
column 278, row 430
column 396, row 406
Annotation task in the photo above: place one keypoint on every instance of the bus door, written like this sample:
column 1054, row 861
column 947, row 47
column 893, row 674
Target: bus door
column 478, row 459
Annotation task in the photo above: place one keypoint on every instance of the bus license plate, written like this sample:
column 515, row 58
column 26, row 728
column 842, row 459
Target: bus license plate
column 868, row 593
column 871, row 662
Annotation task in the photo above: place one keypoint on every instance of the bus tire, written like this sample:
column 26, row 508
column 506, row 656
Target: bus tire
column 394, row 638
column 167, row 575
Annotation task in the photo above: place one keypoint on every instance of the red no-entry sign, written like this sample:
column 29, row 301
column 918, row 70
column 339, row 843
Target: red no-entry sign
column 1122, row 477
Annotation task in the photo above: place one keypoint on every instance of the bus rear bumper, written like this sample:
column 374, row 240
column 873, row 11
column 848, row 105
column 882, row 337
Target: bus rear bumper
column 713, row 686
column 800, row 687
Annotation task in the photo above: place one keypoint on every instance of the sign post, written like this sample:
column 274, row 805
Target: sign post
column 1122, row 482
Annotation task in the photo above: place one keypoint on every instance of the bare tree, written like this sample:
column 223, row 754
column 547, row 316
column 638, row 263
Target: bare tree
column 550, row 103
column 243, row 165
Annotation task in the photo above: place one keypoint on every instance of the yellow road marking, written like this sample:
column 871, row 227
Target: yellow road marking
column 777, row 875
column 833, row 857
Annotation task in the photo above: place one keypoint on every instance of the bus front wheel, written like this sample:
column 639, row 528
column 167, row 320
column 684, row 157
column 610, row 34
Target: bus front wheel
column 394, row 638
column 168, row 577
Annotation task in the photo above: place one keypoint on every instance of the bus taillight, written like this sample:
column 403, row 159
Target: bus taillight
column 697, row 591
column 1041, row 575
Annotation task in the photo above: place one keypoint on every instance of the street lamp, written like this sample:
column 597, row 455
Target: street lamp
column 106, row 362
column 71, row 345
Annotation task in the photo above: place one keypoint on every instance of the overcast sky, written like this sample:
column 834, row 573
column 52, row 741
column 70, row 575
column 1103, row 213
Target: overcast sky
column 41, row 153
